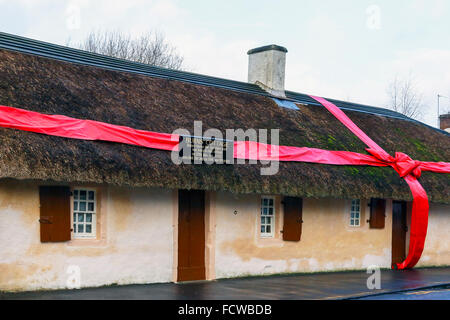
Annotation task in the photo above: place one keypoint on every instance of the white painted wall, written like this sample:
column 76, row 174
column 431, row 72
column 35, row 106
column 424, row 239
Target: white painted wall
column 437, row 244
column 135, row 247
column 328, row 242
column 137, row 241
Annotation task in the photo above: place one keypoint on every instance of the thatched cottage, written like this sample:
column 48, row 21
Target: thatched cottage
column 124, row 214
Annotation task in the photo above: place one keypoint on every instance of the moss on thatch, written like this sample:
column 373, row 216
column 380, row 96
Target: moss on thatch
column 55, row 87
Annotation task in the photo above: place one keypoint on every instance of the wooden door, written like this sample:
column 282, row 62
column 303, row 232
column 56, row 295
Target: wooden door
column 292, row 225
column 191, row 235
column 399, row 228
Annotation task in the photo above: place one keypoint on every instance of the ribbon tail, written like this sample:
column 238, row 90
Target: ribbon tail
column 419, row 224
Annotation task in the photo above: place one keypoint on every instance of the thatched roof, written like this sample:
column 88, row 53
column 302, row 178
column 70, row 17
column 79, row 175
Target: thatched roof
column 151, row 103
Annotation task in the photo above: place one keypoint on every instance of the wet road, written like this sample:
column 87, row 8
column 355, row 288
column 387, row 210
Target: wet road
column 286, row 287
column 430, row 294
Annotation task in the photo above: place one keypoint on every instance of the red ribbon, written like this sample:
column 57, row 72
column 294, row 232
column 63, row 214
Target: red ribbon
column 407, row 168
column 62, row 126
column 410, row 170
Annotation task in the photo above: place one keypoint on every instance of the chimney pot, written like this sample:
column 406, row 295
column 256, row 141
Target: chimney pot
column 266, row 68
column 445, row 122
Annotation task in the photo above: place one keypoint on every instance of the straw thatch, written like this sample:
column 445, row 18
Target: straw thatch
column 56, row 87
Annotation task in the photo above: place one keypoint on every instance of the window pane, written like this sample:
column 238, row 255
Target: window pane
column 82, row 194
column 74, row 227
column 267, row 214
column 88, row 228
column 355, row 213
column 82, row 206
column 91, row 195
column 80, row 228
column 90, row 206
column 75, row 206
column 74, row 217
column 80, row 217
column 88, row 217
column 75, row 194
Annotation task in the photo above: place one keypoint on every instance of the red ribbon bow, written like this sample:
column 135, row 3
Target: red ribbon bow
column 408, row 169
column 402, row 163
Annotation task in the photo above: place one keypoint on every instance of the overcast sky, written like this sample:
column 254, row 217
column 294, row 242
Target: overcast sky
column 347, row 50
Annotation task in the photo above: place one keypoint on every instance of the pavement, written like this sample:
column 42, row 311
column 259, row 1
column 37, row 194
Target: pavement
column 421, row 294
column 330, row 286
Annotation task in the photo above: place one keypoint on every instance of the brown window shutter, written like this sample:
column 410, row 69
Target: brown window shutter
column 55, row 213
column 292, row 226
column 377, row 213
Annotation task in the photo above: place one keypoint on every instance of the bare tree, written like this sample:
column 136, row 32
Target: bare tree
column 404, row 97
column 150, row 48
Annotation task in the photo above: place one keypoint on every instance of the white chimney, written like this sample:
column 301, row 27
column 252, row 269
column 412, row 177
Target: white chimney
column 266, row 66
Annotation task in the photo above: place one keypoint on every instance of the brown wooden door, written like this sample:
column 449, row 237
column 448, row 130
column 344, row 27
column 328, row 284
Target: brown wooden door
column 399, row 228
column 292, row 226
column 54, row 213
column 191, row 235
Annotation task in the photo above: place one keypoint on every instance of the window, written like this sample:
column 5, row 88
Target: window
column 267, row 216
column 355, row 213
column 84, row 213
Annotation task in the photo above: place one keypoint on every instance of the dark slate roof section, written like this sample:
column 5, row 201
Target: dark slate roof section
column 350, row 106
column 53, row 51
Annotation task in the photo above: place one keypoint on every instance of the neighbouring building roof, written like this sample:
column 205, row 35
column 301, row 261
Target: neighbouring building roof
column 57, row 80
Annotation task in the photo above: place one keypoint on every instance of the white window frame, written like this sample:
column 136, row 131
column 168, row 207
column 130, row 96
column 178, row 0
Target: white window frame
column 76, row 210
column 355, row 213
column 267, row 215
